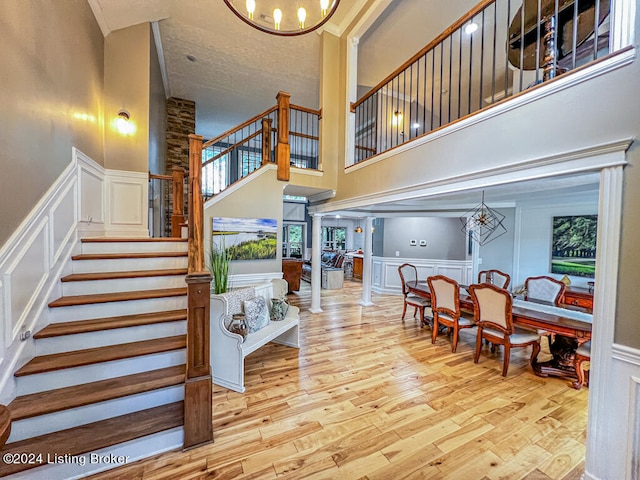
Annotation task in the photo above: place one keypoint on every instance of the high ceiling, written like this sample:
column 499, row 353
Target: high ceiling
column 238, row 71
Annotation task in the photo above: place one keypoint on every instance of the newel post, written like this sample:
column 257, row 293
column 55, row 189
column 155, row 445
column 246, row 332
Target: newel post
column 283, row 152
column 177, row 218
column 266, row 140
column 198, row 402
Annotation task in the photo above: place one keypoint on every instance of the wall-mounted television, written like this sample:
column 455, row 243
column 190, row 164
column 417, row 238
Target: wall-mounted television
column 573, row 246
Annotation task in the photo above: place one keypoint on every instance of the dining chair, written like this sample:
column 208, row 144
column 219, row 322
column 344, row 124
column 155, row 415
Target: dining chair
column 583, row 354
column 547, row 289
column 494, row 277
column 409, row 273
column 445, row 305
column 544, row 288
column 492, row 308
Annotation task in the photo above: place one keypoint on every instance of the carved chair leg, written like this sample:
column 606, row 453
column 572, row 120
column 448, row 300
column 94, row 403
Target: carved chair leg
column 534, row 353
column 434, row 332
column 579, row 372
column 476, row 357
column 454, row 345
column 404, row 310
column 507, row 357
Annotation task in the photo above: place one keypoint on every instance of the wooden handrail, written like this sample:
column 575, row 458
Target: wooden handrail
column 448, row 31
column 157, row 176
column 215, row 140
column 5, row 425
column 228, row 149
column 305, row 109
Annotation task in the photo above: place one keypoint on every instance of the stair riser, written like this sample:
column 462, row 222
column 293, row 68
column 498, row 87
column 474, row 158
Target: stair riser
column 91, row 287
column 32, row 427
column 133, row 247
column 114, row 309
column 68, row 343
column 100, row 371
column 82, row 467
column 127, row 264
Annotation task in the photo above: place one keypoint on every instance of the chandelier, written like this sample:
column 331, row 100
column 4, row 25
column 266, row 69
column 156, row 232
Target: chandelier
column 284, row 17
column 483, row 223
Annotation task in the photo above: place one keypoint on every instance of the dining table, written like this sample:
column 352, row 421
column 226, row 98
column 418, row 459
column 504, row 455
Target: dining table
column 570, row 328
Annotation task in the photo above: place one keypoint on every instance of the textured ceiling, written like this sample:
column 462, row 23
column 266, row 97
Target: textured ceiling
column 238, row 70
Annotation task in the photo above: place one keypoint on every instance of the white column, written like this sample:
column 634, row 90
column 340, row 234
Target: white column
column 316, row 268
column 608, row 430
column 367, row 263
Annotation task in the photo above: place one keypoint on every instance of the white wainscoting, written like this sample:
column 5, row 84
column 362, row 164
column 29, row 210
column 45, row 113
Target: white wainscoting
column 622, row 453
column 85, row 200
column 127, row 200
column 386, row 279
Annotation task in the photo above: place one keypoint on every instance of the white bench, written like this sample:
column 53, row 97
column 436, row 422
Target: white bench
column 228, row 350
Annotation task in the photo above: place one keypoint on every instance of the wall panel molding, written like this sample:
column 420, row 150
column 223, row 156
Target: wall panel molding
column 386, row 279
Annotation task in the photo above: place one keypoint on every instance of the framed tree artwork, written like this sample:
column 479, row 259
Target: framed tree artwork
column 573, row 246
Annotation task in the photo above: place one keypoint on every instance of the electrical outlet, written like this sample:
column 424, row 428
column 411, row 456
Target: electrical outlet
column 397, row 253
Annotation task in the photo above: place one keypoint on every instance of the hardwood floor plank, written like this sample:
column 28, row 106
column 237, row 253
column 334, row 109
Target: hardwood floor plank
column 367, row 396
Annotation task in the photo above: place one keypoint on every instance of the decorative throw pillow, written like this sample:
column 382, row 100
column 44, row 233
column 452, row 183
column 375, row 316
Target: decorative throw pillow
column 256, row 313
column 279, row 308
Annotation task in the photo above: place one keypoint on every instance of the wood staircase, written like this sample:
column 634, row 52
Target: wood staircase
column 109, row 371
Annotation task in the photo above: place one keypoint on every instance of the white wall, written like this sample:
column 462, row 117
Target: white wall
column 443, row 236
column 534, row 222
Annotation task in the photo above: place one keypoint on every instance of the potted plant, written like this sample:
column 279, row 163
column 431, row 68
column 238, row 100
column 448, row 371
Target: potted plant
column 219, row 260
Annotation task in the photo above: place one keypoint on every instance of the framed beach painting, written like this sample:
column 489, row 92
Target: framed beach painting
column 246, row 238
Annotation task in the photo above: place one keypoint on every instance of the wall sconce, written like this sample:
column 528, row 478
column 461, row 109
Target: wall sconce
column 397, row 118
column 124, row 124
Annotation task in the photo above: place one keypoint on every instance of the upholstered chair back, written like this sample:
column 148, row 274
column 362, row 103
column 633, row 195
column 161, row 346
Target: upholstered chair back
column 492, row 307
column 544, row 288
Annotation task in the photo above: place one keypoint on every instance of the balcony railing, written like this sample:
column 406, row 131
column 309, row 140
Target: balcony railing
column 245, row 148
column 497, row 49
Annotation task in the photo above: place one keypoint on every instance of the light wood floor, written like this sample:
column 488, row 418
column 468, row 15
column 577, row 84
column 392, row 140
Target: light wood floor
column 368, row 397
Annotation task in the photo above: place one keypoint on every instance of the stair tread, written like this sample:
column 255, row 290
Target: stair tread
column 117, row 296
column 95, row 436
column 131, row 239
column 5, row 424
column 77, row 358
column 131, row 255
column 49, row 401
column 110, row 323
column 80, row 277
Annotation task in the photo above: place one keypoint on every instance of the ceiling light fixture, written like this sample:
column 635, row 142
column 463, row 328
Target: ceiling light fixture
column 291, row 18
column 483, row 223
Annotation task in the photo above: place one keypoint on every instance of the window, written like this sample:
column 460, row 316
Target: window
column 292, row 240
column 334, row 238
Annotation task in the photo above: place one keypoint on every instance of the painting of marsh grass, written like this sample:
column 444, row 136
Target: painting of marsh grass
column 246, row 238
